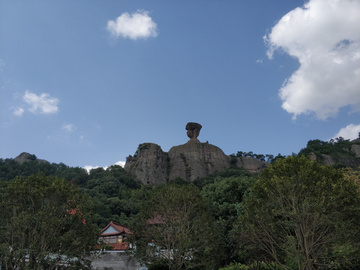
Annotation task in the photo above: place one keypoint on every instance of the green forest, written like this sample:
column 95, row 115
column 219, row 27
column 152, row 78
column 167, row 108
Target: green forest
column 295, row 214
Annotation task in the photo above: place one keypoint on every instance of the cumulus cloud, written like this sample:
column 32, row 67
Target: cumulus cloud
column 350, row 132
column 135, row 26
column 42, row 104
column 18, row 111
column 69, row 127
column 324, row 37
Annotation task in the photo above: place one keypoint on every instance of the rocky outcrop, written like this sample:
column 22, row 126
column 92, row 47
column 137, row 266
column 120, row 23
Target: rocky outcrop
column 25, row 157
column 340, row 160
column 355, row 148
column 195, row 159
column 149, row 164
column 188, row 161
column 327, row 160
column 251, row 164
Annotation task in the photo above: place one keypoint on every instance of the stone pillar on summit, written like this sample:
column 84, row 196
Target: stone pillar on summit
column 193, row 130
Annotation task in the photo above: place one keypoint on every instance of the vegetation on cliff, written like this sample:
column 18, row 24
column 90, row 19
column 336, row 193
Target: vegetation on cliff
column 339, row 150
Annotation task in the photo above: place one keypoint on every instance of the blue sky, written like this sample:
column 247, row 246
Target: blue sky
column 85, row 82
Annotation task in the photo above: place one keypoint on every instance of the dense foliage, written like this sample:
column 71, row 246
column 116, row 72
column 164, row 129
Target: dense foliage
column 304, row 215
column 45, row 221
column 177, row 223
column 115, row 194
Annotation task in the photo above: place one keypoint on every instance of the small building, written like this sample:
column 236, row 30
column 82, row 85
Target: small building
column 115, row 235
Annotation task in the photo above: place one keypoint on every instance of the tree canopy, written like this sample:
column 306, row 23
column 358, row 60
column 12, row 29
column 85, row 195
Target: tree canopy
column 45, row 221
column 303, row 215
column 174, row 228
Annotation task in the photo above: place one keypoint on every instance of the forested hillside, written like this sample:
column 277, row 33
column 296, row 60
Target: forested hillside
column 238, row 214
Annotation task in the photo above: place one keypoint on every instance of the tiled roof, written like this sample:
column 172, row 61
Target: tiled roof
column 118, row 227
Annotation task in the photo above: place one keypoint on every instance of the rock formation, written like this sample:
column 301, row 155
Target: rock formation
column 25, row 157
column 193, row 130
column 251, row 164
column 355, row 148
column 349, row 157
column 149, row 164
column 189, row 161
column 195, row 159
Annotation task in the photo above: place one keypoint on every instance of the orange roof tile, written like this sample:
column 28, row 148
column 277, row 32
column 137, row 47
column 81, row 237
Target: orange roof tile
column 120, row 228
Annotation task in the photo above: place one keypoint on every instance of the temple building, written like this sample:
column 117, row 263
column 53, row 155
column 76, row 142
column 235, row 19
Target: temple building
column 115, row 235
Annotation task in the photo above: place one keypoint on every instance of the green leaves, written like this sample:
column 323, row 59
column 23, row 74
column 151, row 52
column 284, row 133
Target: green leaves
column 45, row 218
column 298, row 210
column 174, row 226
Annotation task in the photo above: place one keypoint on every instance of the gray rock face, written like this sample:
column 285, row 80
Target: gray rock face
column 194, row 159
column 251, row 164
column 355, row 148
column 149, row 165
column 25, row 157
column 189, row 161
column 193, row 130
column 327, row 160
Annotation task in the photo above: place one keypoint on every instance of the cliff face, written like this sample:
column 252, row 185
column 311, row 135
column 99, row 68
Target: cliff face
column 195, row 159
column 189, row 161
column 149, row 164
column 355, row 148
column 251, row 164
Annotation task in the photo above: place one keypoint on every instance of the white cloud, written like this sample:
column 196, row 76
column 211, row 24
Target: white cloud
column 120, row 163
column 44, row 104
column 18, row 111
column 324, row 37
column 69, row 127
column 135, row 26
column 350, row 132
column 88, row 168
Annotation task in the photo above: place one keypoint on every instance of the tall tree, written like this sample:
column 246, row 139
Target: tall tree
column 174, row 227
column 303, row 213
column 45, row 222
column 225, row 196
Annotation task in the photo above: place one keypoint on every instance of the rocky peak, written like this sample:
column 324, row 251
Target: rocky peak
column 25, row 157
column 189, row 161
column 149, row 164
